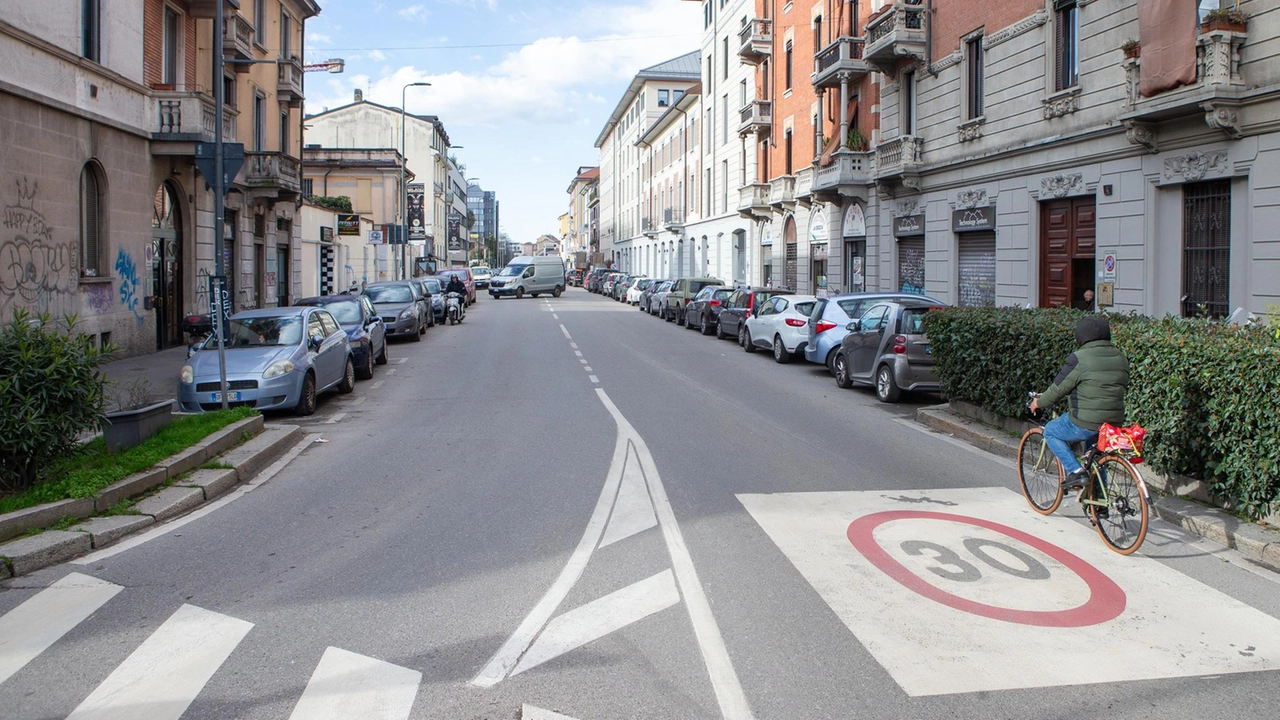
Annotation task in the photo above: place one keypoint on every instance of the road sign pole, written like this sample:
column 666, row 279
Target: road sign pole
column 219, row 191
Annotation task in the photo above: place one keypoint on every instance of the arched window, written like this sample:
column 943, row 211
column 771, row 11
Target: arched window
column 92, row 231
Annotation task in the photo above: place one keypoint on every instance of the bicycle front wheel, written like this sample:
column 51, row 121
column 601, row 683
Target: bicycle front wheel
column 1122, row 523
column 1039, row 472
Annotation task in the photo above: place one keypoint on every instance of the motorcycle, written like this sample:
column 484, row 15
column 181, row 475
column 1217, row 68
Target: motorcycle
column 455, row 308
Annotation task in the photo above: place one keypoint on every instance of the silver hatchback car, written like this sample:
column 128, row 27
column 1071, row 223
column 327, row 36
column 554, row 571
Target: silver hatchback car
column 887, row 348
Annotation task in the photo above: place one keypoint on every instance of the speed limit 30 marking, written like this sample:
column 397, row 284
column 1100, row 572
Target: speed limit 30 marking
column 966, row 590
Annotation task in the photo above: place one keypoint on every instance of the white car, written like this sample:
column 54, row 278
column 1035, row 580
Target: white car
column 781, row 323
column 481, row 275
column 636, row 290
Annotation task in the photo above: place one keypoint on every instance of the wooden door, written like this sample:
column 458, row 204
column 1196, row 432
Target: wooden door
column 1068, row 232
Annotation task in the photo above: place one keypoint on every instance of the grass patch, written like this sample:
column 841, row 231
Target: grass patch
column 124, row 507
column 66, row 523
column 92, row 469
column 217, row 465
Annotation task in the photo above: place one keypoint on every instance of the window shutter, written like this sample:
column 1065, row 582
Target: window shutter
column 91, row 223
column 1059, row 48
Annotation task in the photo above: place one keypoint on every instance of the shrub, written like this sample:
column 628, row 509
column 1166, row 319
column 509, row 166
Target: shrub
column 50, row 393
column 1204, row 391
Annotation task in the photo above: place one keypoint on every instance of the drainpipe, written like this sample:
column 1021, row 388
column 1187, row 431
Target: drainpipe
column 928, row 38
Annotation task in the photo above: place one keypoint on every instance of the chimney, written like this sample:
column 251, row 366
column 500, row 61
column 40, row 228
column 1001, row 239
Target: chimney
column 359, row 95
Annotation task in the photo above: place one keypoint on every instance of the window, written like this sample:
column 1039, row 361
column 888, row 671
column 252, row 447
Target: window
column 817, row 33
column 787, row 151
column 664, row 98
column 284, row 131
column 169, row 71
column 260, row 22
column 91, row 29
column 908, row 103
column 724, row 65
column 724, row 118
column 229, row 91
column 788, row 65
column 286, row 32
column 308, row 187
column 91, row 217
column 259, row 122
column 676, row 95
column 1066, row 44
column 974, row 60
column 1206, row 248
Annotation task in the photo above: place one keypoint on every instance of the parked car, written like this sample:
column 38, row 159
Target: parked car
column 595, row 279
column 606, row 284
column 642, row 303
column 658, row 298
column 365, row 331
column 704, row 312
column 886, row 348
column 481, row 274
column 575, row 278
column 465, row 274
column 436, row 290
column 277, row 358
column 636, row 290
column 682, row 293
column 428, row 297
column 740, row 305
column 780, row 324
column 621, row 289
column 400, row 306
column 832, row 315
column 529, row 274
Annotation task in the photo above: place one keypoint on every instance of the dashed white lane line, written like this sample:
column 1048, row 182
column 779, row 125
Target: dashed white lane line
column 573, row 345
column 335, row 419
column 379, row 384
column 392, row 371
column 565, row 330
column 402, row 361
column 582, row 360
column 578, row 353
column 359, row 400
column 555, row 316
column 588, row 368
column 593, row 379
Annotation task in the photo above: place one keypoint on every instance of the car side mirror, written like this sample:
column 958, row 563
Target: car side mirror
column 314, row 343
column 854, row 326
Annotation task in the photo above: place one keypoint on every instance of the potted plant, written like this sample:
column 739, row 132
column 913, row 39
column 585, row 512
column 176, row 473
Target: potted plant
column 1131, row 48
column 856, row 141
column 1232, row 19
column 136, row 417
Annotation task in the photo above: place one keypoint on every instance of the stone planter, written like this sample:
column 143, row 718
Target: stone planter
column 1221, row 23
column 126, row 428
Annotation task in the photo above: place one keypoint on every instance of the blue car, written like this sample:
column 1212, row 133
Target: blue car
column 365, row 329
column 830, row 318
column 277, row 359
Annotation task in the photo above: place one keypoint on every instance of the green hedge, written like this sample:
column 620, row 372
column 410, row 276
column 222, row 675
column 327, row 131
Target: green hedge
column 1206, row 392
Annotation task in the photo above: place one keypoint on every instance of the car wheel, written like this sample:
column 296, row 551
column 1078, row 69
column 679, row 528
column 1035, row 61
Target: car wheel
column 720, row 332
column 669, row 315
column 307, row 399
column 348, row 377
column 382, row 356
column 556, row 292
column 887, row 390
column 831, row 360
column 747, row 344
column 417, row 334
column 780, row 354
column 533, row 294
column 842, row 372
column 519, row 293
column 366, row 372
column 682, row 318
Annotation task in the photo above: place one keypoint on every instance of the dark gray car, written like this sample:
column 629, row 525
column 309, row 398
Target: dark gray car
column 401, row 307
column 887, row 348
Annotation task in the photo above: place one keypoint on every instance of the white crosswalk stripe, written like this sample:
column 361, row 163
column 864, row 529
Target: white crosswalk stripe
column 29, row 629
column 347, row 686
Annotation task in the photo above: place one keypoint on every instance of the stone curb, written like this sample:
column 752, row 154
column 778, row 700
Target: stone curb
column 48, row 548
column 249, row 459
column 1255, row 542
column 211, row 482
column 105, row 530
column 170, row 502
column 19, row 521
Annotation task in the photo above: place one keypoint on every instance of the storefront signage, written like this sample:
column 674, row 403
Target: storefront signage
column 908, row 226
column 818, row 226
column 973, row 219
column 855, row 222
column 375, row 237
column 326, row 234
column 415, row 214
column 766, row 236
column 348, row 224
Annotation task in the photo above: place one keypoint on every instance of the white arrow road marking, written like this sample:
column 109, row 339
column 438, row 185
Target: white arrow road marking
column 601, row 617
column 167, row 671
column 354, row 687
column 529, row 712
column 633, row 511
column 29, row 629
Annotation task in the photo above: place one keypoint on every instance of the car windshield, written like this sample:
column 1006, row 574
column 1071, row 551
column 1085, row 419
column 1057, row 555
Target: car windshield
column 481, row 271
column 388, row 295
column 265, row 332
column 512, row 270
column 346, row 313
column 433, row 287
column 722, row 294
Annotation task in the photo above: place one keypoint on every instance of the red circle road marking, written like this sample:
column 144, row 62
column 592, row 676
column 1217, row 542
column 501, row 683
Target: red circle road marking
column 1106, row 599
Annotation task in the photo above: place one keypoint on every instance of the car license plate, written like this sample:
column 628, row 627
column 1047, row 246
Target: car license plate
column 928, row 349
column 232, row 396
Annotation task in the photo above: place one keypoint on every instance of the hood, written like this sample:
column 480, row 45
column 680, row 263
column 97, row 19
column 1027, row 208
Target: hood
column 390, row 308
column 240, row 362
column 1094, row 327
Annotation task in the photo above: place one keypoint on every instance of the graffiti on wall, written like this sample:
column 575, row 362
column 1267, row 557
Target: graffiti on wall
column 101, row 299
column 130, row 285
column 35, row 272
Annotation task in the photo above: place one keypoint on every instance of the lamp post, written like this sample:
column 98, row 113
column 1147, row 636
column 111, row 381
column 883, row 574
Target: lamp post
column 404, row 191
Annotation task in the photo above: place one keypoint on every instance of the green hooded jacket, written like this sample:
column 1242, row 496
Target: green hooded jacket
column 1094, row 378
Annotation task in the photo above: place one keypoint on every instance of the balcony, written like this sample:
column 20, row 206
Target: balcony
column 804, row 186
column 840, row 62
column 896, row 33
column 273, row 171
column 1215, row 95
column 753, row 201
column 289, row 86
column 755, row 40
column 237, row 40
column 782, row 191
column 673, row 220
column 187, row 117
column 757, row 118
column 848, row 169
column 648, row 228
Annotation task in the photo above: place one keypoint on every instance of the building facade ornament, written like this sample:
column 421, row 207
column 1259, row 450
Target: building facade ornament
column 1222, row 117
column 1062, row 185
column 971, row 198
column 949, row 61
column 1026, row 24
column 971, row 130
column 1194, row 166
column 907, row 207
column 1064, row 103
column 912, row 182
column 1141, row 134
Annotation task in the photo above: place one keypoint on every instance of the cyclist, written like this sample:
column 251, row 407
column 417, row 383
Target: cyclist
column 1094, row 378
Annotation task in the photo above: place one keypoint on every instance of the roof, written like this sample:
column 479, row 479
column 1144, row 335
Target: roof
column 433, row 119
column 686, row 68
column 691, row 96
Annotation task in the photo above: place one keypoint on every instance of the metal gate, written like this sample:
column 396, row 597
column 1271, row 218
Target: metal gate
column 1206, row 248
column 911, row 265
column 977, row 269
column 790, row 277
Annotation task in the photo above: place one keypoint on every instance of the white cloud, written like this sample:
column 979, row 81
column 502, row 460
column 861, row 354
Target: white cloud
column 419, row 13
column 376, row 54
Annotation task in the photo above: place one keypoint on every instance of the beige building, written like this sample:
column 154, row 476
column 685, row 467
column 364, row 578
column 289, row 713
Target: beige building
column 370, row 178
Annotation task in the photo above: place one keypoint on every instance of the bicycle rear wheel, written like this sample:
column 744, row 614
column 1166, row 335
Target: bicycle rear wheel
column 1122, row 524
column 1039, row 472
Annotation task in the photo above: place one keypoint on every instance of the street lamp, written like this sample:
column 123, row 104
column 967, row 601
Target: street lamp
column 404, row 191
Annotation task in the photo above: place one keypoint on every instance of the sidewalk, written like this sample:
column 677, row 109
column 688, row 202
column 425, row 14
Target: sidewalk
column 159, row 370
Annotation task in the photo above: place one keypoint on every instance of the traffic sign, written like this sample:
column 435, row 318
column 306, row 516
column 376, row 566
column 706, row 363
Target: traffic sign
column 1109, row 267
column 232, row 161
column 968, row 590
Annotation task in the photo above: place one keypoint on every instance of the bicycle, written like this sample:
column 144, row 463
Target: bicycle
column 1114, row 497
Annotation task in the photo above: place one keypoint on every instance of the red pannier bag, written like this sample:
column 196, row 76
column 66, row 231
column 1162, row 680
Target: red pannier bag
column 1125, row 441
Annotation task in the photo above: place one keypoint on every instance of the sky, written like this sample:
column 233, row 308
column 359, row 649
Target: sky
column 524, row 86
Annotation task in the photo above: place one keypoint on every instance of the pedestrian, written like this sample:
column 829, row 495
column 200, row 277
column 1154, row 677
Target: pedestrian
column 1085, row 303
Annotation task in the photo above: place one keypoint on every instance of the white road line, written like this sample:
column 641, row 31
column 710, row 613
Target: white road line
column 379, row 383
column 593, row 378
column 503, row 661
column 633, row 511
column 582, row 360
column 957, row 442
column 587, row 368
column 167, row 671
column 402, row 361
column 555, row 316
column 578, row 353
column 565, row 330
column 573, row 345
column 601, row 617
column 529, row 712
column 29, row 629
column 347, row 685
column 359, row 400
column 392, row 371
column 724, row 679
column 335, row 419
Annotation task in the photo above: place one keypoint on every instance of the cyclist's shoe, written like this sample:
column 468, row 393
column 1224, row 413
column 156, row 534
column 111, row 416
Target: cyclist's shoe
column 1075, row 480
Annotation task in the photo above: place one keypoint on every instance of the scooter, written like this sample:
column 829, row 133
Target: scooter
column 455, row 308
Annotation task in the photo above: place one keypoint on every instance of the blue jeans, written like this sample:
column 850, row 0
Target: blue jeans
column 1059, row 434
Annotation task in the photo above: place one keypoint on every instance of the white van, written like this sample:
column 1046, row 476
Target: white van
column 529, row 275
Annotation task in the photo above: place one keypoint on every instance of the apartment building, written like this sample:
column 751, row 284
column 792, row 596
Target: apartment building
column 584, row 197
column 482, row 206
column 670, row 168
column 650, row 94
column 106, row 216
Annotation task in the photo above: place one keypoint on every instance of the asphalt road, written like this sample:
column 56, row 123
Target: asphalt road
column 569, row 504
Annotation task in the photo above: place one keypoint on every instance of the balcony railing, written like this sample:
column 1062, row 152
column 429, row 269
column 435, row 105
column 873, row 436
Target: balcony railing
column 189, row 117
column 896, row 32
column 273, row 170
column 757, row 117
column 673, row 219
column 753, row 200
column 839, row 61
column 804, row 185
column 755, row 40
column 898, row 156
column 237, row 40
column 289, row 87
column 847, row 168
column 782, row 191
column 648, row 227
column 1216, row 91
